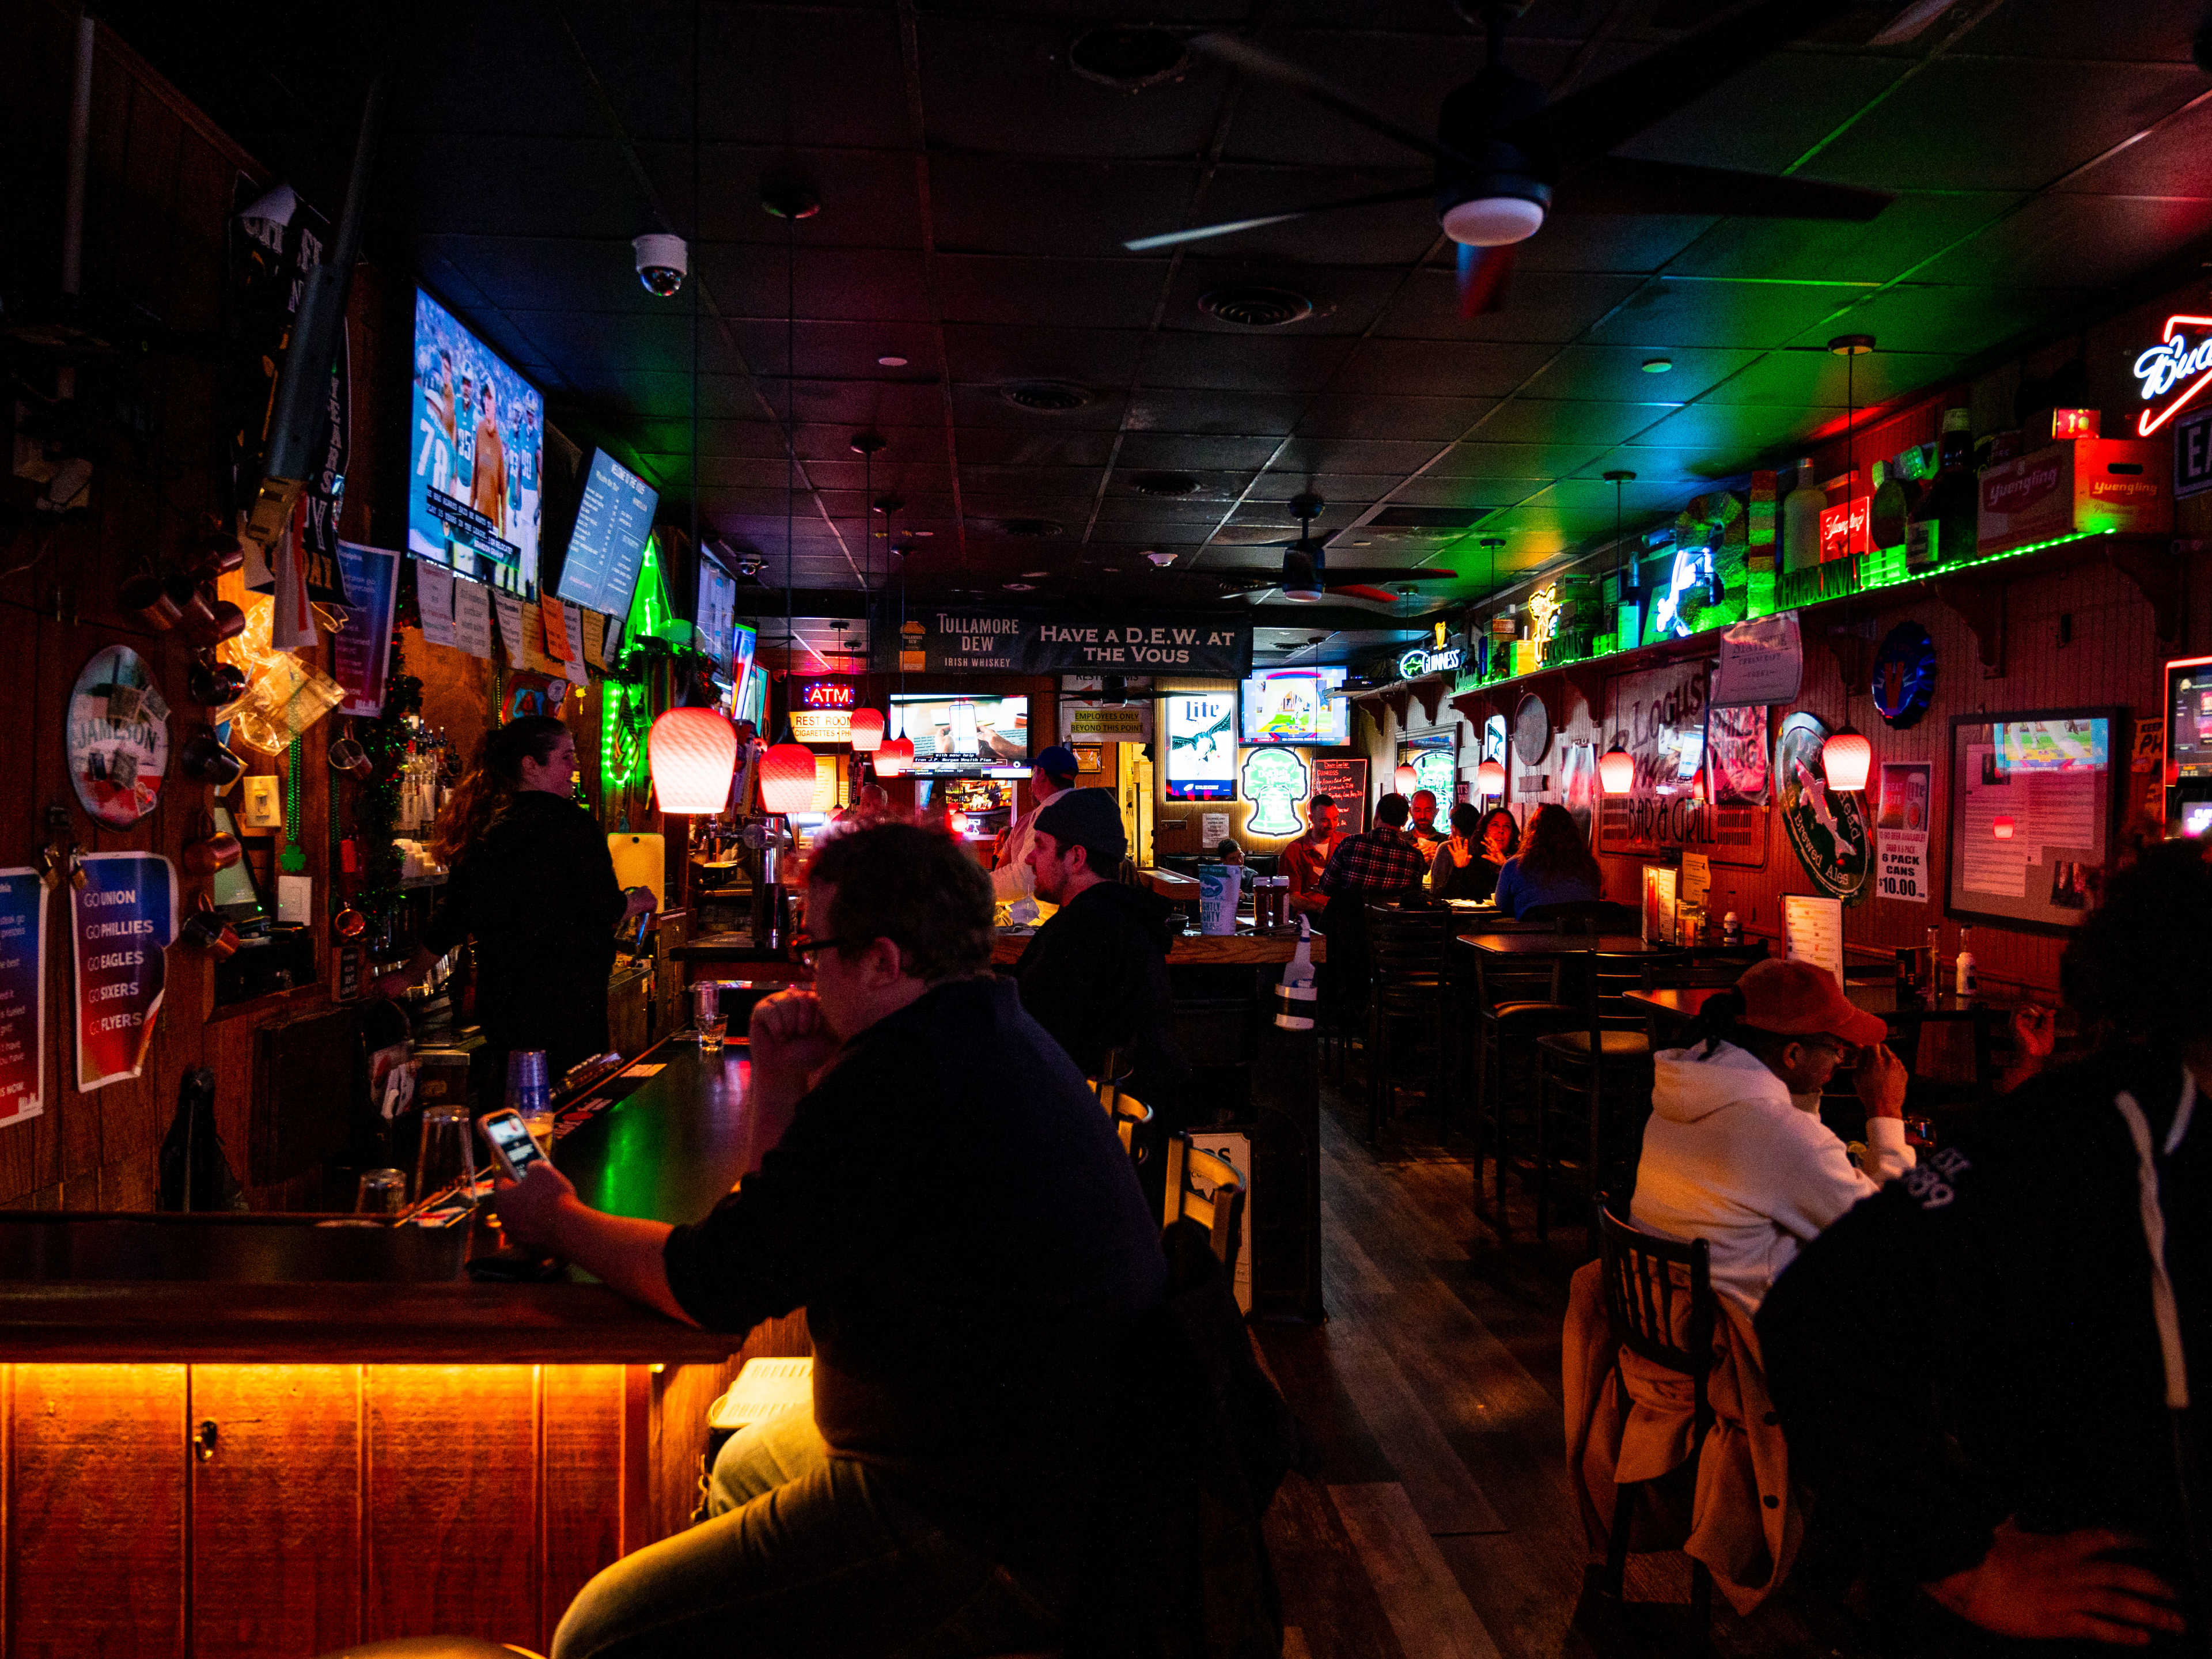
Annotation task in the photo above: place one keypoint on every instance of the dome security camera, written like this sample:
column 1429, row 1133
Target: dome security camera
column 662, row 263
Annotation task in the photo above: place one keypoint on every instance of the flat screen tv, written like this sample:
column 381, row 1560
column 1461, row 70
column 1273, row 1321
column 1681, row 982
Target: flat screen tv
column 606, row 549
column 1297, row 705
column 1202, row 743
column 964, row 737
column 714, row 619
column 745, row 643
column 474, row 491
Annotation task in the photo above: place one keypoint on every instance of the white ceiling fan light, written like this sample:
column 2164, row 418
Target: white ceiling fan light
column 1493, row 221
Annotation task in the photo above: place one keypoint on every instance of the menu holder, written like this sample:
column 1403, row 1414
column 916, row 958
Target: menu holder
column 1813, row 931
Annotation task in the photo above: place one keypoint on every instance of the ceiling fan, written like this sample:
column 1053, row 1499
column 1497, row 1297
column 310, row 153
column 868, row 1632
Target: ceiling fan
column 1506, row 156
column 1305, row 575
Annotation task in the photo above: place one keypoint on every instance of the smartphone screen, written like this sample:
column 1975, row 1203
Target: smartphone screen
column 511, row 1140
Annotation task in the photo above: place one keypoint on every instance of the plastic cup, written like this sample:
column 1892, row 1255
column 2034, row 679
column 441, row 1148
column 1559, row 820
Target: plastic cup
column 382, row 1192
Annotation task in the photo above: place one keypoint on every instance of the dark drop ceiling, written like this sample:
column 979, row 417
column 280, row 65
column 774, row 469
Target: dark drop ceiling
column 1056, row 408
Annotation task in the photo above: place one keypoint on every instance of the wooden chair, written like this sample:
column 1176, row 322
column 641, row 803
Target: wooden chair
column 1408, row 996
column 1660, row 1295
column 1219, row 1210
column 1605, row 1065
column 1516, row 1001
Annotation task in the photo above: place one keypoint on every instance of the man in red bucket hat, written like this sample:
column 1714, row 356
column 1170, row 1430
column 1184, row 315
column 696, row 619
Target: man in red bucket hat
column 1735, row 1152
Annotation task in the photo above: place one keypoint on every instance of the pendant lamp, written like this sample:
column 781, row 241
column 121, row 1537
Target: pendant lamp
column 893, row 757
column 694, row 755
column 1404, row 778
column 787, row 778
column 867, row 730
column 1846, row 758
column 1490, row 778
column 1616, row 770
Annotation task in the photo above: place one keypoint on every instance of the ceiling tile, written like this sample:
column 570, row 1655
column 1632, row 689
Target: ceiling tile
column 1409, row 418
column 987, row 405
column 1915, row 227
column 1345, row 299
column 1953, row 321
column 980, row 288
column 1396, row 233
column 1623, row 242
column 1353, row 455
column 1242, row 364
column 1728, row 433
column 1094, row 357
column 1004, row 83
column 1616, row 374
column 1438, row 369
column 2077, row 242
column 1031, row 204
column 1484, row 460
column 1819, row 379
column 1764, row 118
column 1194, row 451
column 1337, row 489
column 2145, row 30
column 1754, row 315
column 837, row 284
column 867, row 196
column 1556, row 419
column 1539, row 305
column 1016, row 447
column 1237, row 414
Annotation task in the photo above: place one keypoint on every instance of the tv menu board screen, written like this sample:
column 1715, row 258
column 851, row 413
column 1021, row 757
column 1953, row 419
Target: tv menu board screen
column 964, row 737
column 2189, row 736
column 1297, row 705
column 473, row 494
column 1202, row 732
column 606, row 549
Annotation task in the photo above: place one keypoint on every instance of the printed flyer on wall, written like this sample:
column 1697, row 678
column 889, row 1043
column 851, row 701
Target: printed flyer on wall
column 122, row 919
column 1900, row 832
column 22, row 994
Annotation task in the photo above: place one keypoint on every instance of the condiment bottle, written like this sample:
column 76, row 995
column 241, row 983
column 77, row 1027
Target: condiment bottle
column 1731, row 929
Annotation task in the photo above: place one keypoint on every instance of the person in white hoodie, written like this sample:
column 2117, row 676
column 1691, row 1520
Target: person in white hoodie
column 1735, row 1152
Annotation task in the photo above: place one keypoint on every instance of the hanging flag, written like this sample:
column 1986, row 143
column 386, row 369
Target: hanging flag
column 292, row 627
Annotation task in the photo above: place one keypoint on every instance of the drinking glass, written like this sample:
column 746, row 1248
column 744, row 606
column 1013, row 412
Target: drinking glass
column 448, row 1155
column 383, row 1192
column 707, row 1014
column 529, row 1089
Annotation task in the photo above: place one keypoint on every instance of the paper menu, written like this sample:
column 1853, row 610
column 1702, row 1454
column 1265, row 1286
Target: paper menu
column 1813, row 931
column 507, row 607
column 572, row 628
column 1994, row 845
column 472, row 617
column 434, row 592
column 1697, row 878
column 595, row 636
column 1660, row 884
column 554, row 617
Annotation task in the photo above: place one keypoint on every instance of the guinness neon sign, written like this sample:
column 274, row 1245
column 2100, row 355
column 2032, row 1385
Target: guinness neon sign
column 2176, row 370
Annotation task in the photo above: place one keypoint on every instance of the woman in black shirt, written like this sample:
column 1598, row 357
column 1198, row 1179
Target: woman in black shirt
column 1467, row 865
column 532, row 881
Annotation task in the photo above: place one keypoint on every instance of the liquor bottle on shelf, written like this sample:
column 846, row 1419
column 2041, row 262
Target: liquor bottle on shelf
column 1800, row 520
column 1967, row 982
column 1945, row 524
column 1933, row 977
column 1890, row 513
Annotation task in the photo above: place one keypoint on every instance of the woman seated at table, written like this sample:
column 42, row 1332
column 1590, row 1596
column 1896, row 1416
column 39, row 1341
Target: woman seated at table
column 1554, row 865
column 1467, row 865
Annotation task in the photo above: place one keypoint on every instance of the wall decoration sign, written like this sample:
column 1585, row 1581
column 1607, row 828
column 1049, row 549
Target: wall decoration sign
column 117, row 737
column 822, row 710
column 1826, row 828
column 1493, row 739
column 361, row 652
column 1105, row 722
column 1901, row 833
column 2193, row 454
column 1762, row 661
column 22, row 994
column 1201, row 733
column 1345, row 782
column 2172, row 374
column 1021, row 642
column 1736, row 756
column 1904, row 675
column 1434, row 770
column 1425, row 660
column 2035, row 798
column 121, row 921
column 1660, row 717
column 1276, row 784
column 1532, row 729
column 826, row 694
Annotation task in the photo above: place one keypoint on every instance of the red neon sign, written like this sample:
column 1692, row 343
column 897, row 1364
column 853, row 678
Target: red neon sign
column 1845, row 528
column 2176, row 362
column 826, row 694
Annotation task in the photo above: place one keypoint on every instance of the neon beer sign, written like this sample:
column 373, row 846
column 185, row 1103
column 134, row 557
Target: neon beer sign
column 2176, row 369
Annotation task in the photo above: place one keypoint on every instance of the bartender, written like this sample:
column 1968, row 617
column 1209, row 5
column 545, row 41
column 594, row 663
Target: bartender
column 534, row 884
column 1013, row 881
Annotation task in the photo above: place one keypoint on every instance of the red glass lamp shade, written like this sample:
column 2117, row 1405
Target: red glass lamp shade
column 694, row 755
column 2001, row 829
column 867, row 730
column 893, row 757
column 1846, row 757
column 1404, row 780
column 1490, row 778
column 1616, row 771
column 787, row 778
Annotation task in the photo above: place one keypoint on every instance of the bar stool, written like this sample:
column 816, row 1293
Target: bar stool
column 1210, row 1191
column 1405, row 949
column 1607, row 1062
column 1516, row 1001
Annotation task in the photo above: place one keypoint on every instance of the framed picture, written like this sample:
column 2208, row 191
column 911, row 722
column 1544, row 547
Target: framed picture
column 1090, row 757
column 2035, row 801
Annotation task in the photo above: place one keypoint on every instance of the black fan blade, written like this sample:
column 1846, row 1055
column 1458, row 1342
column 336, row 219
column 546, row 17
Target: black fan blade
column 1231, row 226
column 1615, row 184
column 1483, row 272
column 1586, row 124
column 1367, row 575
column 1263, row 65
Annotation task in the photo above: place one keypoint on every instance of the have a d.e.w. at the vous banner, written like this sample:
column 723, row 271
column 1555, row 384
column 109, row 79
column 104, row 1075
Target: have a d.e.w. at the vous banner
column 1015, row 642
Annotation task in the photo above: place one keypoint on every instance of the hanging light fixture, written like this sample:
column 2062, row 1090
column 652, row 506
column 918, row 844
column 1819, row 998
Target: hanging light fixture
column 1490, row 778
column 1846, row 759
column 787, row 770
column 893, row 757
column 1629, row 570
column 1616, row 770
column 1851, row 348
column 1404, row 778
column 867, row 730
column 694, row 755
column 788, row 779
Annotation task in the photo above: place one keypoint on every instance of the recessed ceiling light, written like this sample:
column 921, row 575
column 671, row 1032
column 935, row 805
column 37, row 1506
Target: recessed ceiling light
column 1130, row 57
column 891, row 363
column 1033, row 575
column 1020, row 587
column 1363, row 544
column 1657, row 365
column 1161, row 560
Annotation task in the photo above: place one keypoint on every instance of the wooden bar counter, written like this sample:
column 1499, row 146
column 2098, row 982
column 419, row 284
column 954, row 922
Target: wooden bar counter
column 250, row 1435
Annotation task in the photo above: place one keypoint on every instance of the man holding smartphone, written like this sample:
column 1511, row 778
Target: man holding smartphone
column 958, row 1218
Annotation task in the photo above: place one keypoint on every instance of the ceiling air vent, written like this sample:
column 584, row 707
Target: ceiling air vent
column 1129, row 56
column 1053, row 397
column 1254, row 306
column 1030, row 529
column 1163, row 484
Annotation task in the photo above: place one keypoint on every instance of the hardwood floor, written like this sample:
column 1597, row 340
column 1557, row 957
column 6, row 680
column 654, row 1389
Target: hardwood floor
column 1432, row 1519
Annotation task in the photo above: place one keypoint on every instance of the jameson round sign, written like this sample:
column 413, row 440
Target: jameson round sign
column 1276, row 783
column 1826, row 826
column 1021, row 642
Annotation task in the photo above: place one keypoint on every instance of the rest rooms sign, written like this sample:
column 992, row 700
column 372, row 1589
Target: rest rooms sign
column 1013, row 642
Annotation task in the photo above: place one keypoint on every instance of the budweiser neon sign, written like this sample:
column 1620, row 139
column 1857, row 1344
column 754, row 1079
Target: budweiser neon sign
column 2178, row 364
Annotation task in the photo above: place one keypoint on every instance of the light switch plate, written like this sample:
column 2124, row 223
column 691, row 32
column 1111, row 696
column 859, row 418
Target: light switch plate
column 295, row 898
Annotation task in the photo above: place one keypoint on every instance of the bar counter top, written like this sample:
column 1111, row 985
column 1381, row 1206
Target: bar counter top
column 282, row 1288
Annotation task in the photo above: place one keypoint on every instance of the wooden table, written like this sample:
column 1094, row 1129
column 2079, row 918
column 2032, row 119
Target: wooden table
column 1686, row 1002
column 1562, row 944
column 1242, row 949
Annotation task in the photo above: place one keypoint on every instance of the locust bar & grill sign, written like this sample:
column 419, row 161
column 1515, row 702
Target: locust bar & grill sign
column 1019, row 643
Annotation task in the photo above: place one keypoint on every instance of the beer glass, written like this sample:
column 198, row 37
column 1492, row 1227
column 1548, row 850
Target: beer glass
column 383, row 1192
column 448, row 1154
column 707, row 1014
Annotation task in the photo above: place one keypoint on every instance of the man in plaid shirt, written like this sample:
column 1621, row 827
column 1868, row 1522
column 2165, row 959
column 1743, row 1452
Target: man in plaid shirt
column 1379, row 862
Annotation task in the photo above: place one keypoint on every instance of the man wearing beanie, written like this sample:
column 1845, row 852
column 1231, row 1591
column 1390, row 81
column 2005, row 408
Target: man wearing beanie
column 1096, row 975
